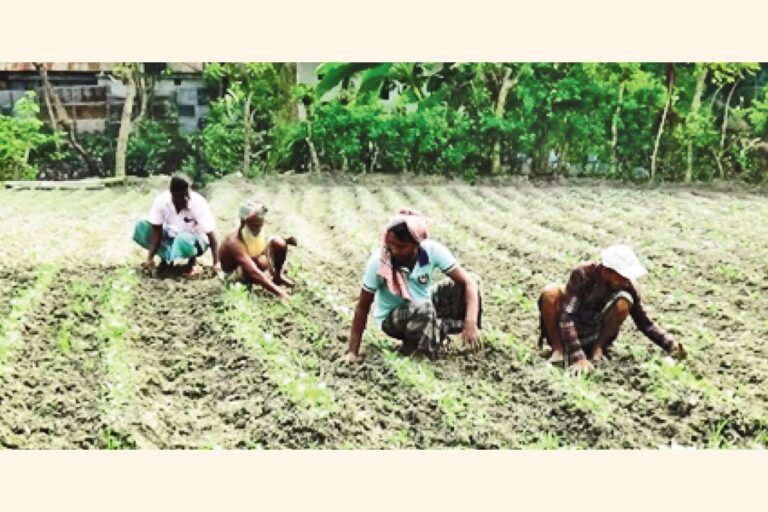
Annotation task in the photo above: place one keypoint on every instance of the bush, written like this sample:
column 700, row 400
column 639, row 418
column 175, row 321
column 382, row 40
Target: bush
column 365, row 138
column 21, row 133
column 153, row 148
column 156, row 148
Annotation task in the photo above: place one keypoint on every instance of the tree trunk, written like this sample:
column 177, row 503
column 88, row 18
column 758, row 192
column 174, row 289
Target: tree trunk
column 126, row 124
column 670, row 86
column 288, row 80
column 615, row 127
column 658, row 136
column 315, row 161
column 722, row 131
column 63, row 118
column 142, row 90
column 247, row 128
column 51, row 115
column 506, row 84
column 695, row 106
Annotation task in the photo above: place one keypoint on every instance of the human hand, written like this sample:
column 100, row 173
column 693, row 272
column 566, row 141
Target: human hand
column 677, row 350
column 283, row 297
column 149, row 264
column 471, row 335
column 581, row 367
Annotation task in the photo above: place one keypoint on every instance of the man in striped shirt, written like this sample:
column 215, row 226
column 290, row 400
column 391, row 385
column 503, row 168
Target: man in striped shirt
column 582, row 321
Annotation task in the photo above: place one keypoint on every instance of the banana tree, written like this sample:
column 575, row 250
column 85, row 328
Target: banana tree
column 369, row 80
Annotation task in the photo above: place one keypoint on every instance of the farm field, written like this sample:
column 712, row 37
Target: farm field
column 94, row 354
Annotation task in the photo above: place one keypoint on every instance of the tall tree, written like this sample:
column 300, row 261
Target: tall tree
column 127, row 73
column 670, row 78
column 59, row 115
column 728, row 74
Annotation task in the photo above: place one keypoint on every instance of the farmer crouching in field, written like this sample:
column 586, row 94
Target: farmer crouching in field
column 398, row 276
column 180, row 227
column 584, row 319
column 247, row 254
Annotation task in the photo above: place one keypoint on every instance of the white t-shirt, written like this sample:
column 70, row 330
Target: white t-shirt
column 195, row 218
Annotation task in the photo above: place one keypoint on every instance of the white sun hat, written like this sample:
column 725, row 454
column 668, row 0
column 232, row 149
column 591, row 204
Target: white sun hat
column 622, row 259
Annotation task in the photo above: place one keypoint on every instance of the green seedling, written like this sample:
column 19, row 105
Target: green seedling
column 583, row 392
column 21, row 305
column 730, row 272
column 113, row 440
column 547, row 441
column 761, row 438
column 120, row 385
column 64, row 338
column 285, row 370
column 399, row 439
column 715, row 438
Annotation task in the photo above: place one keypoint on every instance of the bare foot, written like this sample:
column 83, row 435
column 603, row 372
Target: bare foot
column 281, row 280
column 556, row 357
column 194, row 271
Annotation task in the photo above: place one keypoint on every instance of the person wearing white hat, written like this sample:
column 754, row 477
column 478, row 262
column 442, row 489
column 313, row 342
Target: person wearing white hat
column 248, row 256
column 583, row 320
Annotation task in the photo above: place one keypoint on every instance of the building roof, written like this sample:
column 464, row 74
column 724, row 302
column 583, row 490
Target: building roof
column 91, row 67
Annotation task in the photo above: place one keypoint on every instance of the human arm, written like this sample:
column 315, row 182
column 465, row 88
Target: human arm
column 569, row 305
column 653, row 331
column 214, row 243
column 471, row 298
column 154, row 244
column 364, row 302
column 252, row 271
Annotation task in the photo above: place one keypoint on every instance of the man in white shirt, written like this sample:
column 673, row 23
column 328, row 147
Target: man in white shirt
column 180, row 227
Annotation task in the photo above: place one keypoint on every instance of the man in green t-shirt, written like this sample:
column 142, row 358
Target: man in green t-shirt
column 407, row 307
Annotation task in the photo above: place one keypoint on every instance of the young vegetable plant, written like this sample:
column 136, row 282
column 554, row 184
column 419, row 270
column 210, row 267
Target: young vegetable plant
column 305, row 389
column 21, row 306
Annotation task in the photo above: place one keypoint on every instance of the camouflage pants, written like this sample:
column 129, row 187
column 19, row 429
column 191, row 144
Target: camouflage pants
column 425, row 326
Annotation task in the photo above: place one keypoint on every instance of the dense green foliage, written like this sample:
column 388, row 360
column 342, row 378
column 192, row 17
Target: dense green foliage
column 578, row 119
column 671, row 122
column 21, row 133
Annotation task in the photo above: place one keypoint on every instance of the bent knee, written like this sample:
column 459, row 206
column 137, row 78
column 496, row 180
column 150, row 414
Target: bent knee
column 622, row 306
column 278, row 243
column 262, row 262
column 551, row 294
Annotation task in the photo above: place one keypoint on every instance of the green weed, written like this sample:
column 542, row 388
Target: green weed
column 114, row 440
column 761, row 438
column 730, row 272
column 546, row 441
column 64, row 338
column 715, row 439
